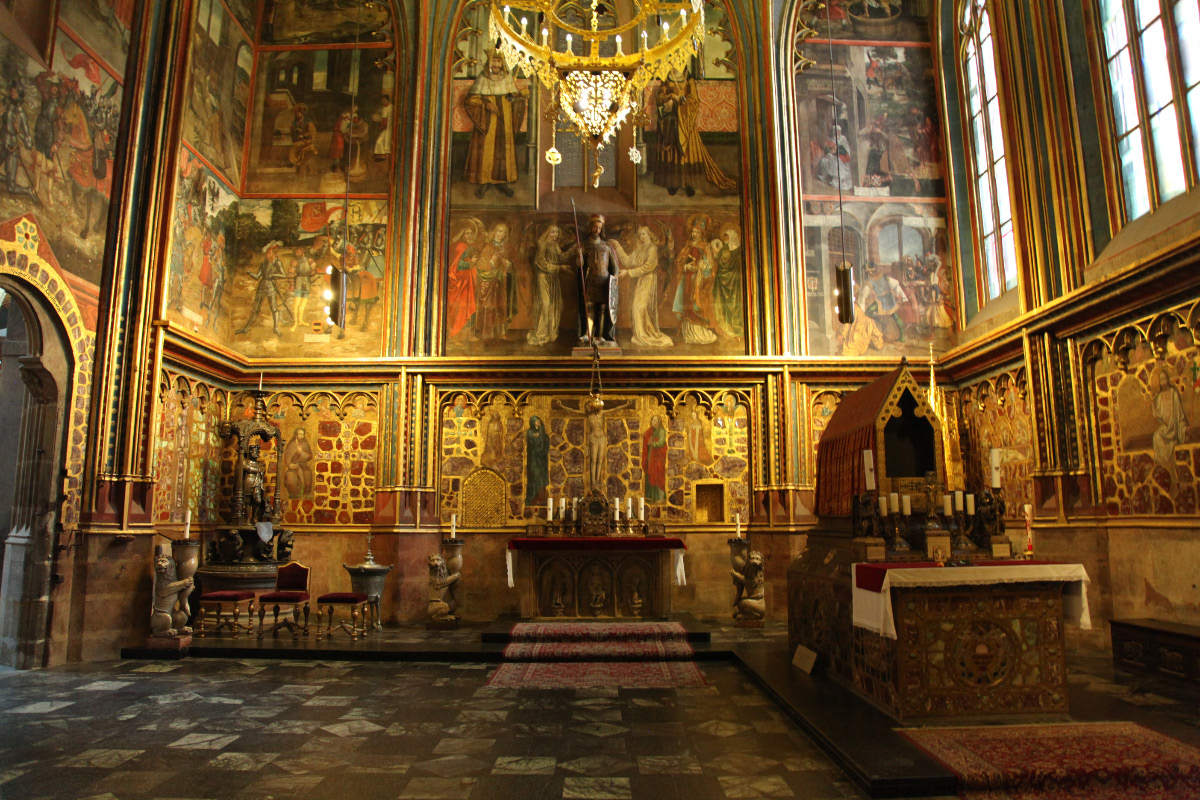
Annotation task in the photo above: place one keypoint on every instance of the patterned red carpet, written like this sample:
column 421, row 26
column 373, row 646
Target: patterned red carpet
column 1097, row 761
column 593, row 675
column 635, row 655
column 596, row 631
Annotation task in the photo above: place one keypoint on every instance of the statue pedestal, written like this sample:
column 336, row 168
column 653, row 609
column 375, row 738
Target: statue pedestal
column 168, row 642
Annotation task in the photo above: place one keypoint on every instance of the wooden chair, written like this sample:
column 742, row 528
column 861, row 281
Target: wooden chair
column 357, row 602
column 291, row 589
column 215, row 602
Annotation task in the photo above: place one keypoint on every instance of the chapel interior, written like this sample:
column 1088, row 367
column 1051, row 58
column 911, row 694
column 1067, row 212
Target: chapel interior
column 311, row 281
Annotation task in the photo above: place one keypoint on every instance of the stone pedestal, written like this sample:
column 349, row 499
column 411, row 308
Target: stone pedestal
column 168, row 642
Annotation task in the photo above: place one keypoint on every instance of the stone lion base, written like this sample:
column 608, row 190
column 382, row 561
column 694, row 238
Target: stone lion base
column 168, row 642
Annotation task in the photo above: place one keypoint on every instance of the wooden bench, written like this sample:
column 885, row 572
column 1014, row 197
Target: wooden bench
column 1167, row 649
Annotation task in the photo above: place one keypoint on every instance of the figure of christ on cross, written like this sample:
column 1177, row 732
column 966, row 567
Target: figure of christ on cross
column 595, row 434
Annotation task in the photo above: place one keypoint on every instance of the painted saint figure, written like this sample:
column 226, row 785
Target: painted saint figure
column 680, row 156
column 297, row 464
column 537, row 462
column 693, row 293
column 642, row 264
column 460, row 292
column 495, row 287
column 496, row 108
column 727, row 283
column 1172, row 424
column 654, row 460
column 548, row 262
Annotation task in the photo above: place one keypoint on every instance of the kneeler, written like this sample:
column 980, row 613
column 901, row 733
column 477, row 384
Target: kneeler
column 215, row 602
column 356, row 626
column 291, row 589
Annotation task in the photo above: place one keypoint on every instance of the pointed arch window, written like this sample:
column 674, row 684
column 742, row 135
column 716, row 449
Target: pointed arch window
column 1152, row 69
column 988, row 165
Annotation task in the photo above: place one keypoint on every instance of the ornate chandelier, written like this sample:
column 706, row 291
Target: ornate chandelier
column 599, row 77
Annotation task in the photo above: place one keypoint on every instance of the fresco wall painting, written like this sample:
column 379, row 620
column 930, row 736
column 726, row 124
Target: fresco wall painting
column 996, row 415
column 190, row 452
column 873, row 183
column 60, row 133
column 537, row 446
column 222, row 60
column 511, row 282
column 1148, row 426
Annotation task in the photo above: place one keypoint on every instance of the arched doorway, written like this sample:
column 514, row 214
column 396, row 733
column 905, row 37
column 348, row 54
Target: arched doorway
column 35, row 389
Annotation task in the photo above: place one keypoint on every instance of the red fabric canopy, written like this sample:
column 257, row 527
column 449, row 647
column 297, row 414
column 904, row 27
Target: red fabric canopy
column 839, row 453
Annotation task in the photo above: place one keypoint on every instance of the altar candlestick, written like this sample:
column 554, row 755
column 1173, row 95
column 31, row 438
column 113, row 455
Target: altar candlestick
column 883, row 503
column 453, row 524
column 906, row 505
column 958, row 500
column 869, row 469
column 642, row 509
column 187, row 524
column 995, row 457
column 946, row 504
column 970, row 505
column 893, row 502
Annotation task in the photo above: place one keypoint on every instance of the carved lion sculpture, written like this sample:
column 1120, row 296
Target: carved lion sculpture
column 751, row 602
column 442, row 603
column 166, row 617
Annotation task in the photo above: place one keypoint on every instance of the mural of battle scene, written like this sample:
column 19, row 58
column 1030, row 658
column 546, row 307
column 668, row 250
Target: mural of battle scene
column 687, row 456
column 246, row 14
column 873, row 178
column 1148, row 423
column 513, row 283
column 324, row 22
column 322, row 123
column 996, row 416
column 58, row 132
column 219, row 89
column 253, row 274
column 104, row 23
column 189, row 450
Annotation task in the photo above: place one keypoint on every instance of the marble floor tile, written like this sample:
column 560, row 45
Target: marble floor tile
column 106, row 759
column 599, row 729
column 739, row 787
column 453, row 766
column 246, row 762
column 597, row 766
column 421, row 788
column 104, row 686
column 668, row 765
column 597, row 789
column 450, row 747
column 519, row 765
column 42, row 707
column 204, row 741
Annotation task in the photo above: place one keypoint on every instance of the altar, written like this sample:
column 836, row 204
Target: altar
column 595, row 576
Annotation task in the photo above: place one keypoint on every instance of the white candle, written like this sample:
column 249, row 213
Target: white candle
column 869, row 469
column 524, row 26
column 645, row 41
column 946, row 504
column 629, row 507
column 550, row 510
column 569, row 43
column 453, row 524
column 260, row 381
column 562, row 507
column 545, row 36
column 958, row 500
column 616, row 511
column 906, row 505
column 995, row 456
column 893, row 502
column 642, row 509
column 187, row 524
column 738, row 520
column 883, row 506
column 1028, row 509
column 574, row 506
column 970, row 505
column 620, row 52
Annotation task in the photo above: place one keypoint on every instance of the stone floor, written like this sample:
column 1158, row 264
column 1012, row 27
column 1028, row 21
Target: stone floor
column 224, row 728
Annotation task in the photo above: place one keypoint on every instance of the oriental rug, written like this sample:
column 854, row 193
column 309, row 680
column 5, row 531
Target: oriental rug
column 596, row 631
column 1097, row 761
column 613, row 650
column 597, row 675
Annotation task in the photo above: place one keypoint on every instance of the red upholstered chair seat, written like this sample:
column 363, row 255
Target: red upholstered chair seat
column 282, row 597
column 227, row 597
column 342, row 597
column 291, row 589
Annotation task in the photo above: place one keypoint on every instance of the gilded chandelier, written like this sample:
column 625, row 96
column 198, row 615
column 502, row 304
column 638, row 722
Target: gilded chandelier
column 599, row 75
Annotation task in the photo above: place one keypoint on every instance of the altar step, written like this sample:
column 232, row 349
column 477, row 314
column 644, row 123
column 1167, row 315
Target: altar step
column 598, row 641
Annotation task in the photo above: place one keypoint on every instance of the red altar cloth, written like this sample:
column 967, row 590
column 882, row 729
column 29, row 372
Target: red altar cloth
column 869, row 577
column 596, row 543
